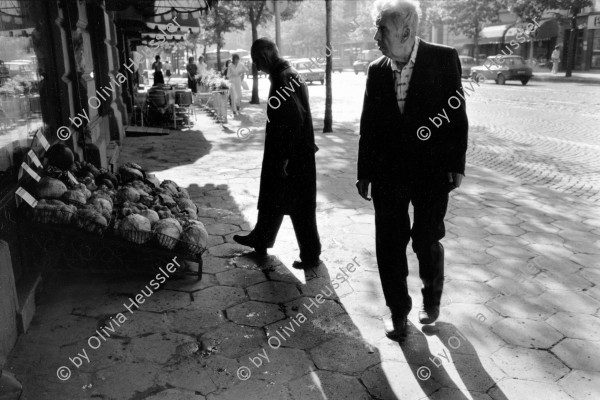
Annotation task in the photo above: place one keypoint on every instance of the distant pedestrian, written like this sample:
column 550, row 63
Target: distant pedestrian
column 235, row 73
column 192, row 71
column 202, row 68
column 157, row 68
column 167, row 68
column 555, row 59
column 288, row 179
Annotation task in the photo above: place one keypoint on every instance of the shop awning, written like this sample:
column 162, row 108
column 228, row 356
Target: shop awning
column 492, row 34
column 547, row 30
column 158, row 8
column 514, row 31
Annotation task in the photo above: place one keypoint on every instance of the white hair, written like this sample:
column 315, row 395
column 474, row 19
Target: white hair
column 402, row 12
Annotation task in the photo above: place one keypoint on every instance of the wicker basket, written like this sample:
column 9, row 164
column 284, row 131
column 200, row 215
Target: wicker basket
column 190, row 248
column 168, row 242
column 90, row 226
column 139, row 237
column 52, row 216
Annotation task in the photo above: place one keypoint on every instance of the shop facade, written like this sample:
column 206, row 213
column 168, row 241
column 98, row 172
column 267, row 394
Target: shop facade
column 67, row 73
column 554, row 28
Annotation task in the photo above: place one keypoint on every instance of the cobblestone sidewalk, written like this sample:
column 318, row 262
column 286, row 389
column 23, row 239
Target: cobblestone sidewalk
column 520, row 316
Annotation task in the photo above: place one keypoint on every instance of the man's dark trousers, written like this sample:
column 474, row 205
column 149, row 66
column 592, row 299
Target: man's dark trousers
column 305, row 227
column 393, row 232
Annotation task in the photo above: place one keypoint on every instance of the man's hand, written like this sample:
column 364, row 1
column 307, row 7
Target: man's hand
column 283, row 171
column 455, row 179
column 363, row 188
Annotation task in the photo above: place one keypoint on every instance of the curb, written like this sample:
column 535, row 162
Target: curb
column 563, row 79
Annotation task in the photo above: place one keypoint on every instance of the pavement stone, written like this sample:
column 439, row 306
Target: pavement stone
column 233, row 340
column 579, row 354
column 176, row 394
column 329, row 385
column 273, row 292
column 582, row 385
column 332, row 355
column 527, row 333
column 530, row 364
column 254, row 313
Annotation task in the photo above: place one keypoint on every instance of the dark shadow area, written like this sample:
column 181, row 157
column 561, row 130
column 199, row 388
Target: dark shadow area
column 158, row 153
column 196, row 335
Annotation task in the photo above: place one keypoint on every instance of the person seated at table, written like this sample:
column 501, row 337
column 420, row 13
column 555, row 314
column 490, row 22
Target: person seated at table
column 192, row 71
column 158, row 75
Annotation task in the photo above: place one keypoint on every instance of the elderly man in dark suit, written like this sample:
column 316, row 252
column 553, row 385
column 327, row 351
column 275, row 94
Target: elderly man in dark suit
column 288, row 180
column 413, row 141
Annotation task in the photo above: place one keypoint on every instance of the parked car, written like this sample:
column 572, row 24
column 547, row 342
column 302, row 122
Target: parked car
column 466, row 63
column 509, row 68
column 336, row 64
column 308, row 70
column 364, row 59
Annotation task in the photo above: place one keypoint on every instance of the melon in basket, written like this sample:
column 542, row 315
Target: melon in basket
column 194, row 237
column 91, row 220
column 135, row 228
column 167, row 232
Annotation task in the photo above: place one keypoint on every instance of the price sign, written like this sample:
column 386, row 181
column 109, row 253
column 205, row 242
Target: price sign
column 31, row 172
column 25, row 195
column 72, row 178
column 34, row 158
column 43, row 141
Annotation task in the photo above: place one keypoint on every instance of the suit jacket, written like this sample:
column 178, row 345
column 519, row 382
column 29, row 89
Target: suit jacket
column 389, row 147
column 289, row 136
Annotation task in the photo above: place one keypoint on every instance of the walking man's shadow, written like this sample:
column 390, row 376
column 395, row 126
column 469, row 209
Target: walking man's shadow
column 456, row 354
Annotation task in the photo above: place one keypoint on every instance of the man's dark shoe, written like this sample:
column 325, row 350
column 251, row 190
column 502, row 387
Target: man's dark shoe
column 396, row 327
column 248, row 241
column 429, row 314
column 307, row 264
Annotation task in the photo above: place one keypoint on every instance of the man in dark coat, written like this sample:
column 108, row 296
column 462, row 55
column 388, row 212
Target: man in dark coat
column 288, row 181
column 413, row 141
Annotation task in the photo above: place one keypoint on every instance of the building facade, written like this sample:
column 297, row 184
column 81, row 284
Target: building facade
column 553, row 28
column 67, row 73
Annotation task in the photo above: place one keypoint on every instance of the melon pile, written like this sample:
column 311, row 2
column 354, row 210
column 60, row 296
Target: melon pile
column 139, row 207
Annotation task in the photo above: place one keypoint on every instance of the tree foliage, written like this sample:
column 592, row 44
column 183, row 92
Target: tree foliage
column 224, row 17
column 468, row 17
column 530, row 9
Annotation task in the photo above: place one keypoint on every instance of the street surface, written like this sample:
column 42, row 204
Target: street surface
column 520, row 317
column 543, row 133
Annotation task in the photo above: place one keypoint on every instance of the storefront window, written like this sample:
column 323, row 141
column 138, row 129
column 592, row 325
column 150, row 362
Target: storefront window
column 596, row 50
column 23, row 59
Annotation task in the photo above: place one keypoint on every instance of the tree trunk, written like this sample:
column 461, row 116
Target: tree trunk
column 476, row 41
column 254, row 21
column 327, row 123
column 571, row 50
column 219, row 53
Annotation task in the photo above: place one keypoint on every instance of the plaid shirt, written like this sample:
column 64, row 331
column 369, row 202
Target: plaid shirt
column 402, row 76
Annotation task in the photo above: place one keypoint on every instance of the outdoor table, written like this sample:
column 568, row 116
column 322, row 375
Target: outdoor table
column 170, row 96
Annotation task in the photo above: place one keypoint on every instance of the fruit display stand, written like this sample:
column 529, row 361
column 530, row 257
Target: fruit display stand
column 73, row 216
column 66, row 248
